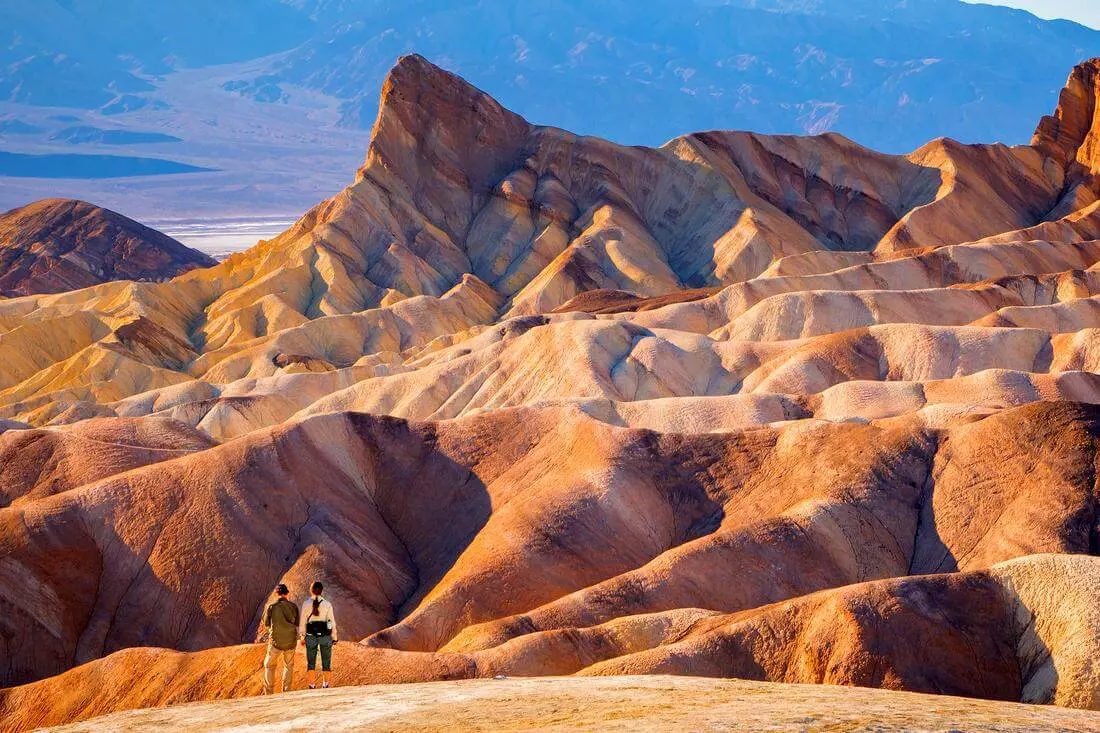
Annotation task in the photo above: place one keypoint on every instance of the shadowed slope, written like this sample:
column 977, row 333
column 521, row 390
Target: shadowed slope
column 457, row 526
column 973, row 633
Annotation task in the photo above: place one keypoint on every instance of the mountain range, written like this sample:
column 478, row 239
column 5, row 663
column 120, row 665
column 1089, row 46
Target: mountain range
column 531, row 403
column 276, row 96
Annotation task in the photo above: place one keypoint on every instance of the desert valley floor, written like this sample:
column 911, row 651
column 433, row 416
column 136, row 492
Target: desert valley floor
column 781, row 409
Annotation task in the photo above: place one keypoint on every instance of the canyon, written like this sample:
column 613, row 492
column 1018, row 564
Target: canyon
column 534, row 404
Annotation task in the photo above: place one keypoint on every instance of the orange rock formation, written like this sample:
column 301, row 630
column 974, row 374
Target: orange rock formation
column 775, row 408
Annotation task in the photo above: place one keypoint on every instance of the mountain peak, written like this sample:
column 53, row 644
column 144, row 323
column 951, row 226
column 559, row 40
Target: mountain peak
column 419, row 97
column 1072, row 134
column 440, row 140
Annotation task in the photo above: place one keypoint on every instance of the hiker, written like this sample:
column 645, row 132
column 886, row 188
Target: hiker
column 318, row 632
column 281, row 621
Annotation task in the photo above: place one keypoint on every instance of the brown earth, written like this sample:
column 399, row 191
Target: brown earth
column 1024, row 630
column 54, row 245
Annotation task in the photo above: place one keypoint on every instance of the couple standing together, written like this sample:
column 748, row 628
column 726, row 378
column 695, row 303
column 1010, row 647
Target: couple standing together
column 314, row 626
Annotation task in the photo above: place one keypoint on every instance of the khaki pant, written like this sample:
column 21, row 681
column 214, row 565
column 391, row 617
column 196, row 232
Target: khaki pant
column 273, row 657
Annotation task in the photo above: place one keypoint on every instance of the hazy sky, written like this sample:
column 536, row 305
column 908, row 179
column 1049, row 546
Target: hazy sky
column 1086, row 12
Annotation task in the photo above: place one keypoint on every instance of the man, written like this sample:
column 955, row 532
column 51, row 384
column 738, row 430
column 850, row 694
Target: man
column 281, row 622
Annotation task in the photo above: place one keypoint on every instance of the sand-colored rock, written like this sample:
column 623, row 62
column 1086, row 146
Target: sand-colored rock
column 1055, row 625
column 492, row 217
column 1071, row 138
column 612, row 703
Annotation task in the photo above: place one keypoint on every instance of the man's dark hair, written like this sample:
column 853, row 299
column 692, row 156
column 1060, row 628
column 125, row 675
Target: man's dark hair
column 282, row 590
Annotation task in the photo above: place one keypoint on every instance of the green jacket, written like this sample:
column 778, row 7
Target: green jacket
column 281, row 618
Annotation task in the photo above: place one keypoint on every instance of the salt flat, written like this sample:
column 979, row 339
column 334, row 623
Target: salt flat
column 220, row 237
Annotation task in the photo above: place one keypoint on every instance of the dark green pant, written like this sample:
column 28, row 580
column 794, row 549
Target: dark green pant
column 324, row 644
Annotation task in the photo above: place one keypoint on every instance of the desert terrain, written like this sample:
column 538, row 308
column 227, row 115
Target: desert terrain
column 531, row 404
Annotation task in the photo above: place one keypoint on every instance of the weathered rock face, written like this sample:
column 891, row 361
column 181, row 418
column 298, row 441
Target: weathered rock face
column 1071, row 137
column 478, row 533
column 37, row 463
column 541, row 215
column 1072, row 134
column 55, row 245
column 464, row 214
column 530, row 403
column 1025, row 628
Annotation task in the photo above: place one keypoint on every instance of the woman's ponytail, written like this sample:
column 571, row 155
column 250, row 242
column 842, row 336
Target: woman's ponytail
column 316, row 589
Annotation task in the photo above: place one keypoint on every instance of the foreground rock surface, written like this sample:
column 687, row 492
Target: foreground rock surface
column 653, row 703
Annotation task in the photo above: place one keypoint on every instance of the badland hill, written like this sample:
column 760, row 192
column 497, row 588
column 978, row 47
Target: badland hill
column 56, row 245
column 774, row 408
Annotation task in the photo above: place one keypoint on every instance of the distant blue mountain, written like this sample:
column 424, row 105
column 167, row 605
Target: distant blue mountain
column 278, row 95
column 890, row 74
column 85, row 53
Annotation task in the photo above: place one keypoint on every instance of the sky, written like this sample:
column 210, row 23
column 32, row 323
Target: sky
column 1086, row 12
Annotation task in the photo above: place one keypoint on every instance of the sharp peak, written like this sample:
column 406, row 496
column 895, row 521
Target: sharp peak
column 418, row 95
column 1071, row 134
column 415, row 60
column 412, row 75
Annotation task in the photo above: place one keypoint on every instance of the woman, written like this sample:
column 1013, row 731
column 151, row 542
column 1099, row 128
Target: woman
column 318, row 632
